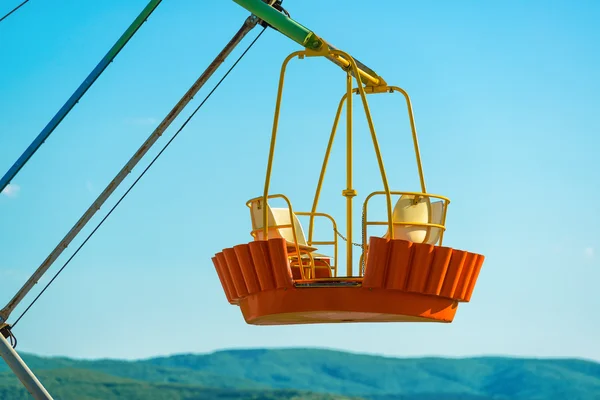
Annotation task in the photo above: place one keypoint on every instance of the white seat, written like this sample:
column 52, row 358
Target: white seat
column 437, row 217
column 407, row 210
column 280, row 225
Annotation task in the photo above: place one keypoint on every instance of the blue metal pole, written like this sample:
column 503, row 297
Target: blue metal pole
column 75, row 97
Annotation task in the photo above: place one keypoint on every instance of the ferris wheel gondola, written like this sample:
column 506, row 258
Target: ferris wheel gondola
column 406, row 275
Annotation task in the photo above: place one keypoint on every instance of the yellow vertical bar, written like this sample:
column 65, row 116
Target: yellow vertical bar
column 273, row 139
column 324, row 168
column 363, row 97
column 335, row 253
column 414, row 135
column 364, row 238
column 349, row 192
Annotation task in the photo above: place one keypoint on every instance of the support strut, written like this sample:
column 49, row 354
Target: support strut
column 250, row 23
column 22, row 371
column 10, row 356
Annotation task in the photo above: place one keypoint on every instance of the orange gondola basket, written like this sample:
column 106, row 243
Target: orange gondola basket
column 406, row 275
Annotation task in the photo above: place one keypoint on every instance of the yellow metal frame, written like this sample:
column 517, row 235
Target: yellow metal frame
column 370, row 85
column 387, row 192
column 418, row 195
column 298, row 251
column 333, row 242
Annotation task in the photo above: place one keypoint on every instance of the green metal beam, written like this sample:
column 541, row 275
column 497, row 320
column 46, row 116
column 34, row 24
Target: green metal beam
column 305, row 37
column 290, row 28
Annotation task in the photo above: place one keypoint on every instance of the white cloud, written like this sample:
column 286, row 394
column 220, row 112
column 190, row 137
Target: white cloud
column 89, row 186
column 589, row 252
column 11, row 273
column 11, row 190
column 142, row 121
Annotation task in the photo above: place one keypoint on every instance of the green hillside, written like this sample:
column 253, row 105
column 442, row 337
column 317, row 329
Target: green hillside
column 78, row 384
column 355, row 374
column 251, row 373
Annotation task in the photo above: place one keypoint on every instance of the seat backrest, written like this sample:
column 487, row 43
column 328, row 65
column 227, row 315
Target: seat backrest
column 407, row 210
column 276, row 217
column 437, row 216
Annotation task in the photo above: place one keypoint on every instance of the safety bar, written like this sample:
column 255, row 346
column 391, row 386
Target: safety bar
column 333, row 243
column 417, row 195
column 266, row 227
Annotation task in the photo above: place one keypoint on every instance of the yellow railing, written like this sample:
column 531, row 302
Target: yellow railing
column 266, row 226
column 391, row 224
column 333, row 243
column 298, row 251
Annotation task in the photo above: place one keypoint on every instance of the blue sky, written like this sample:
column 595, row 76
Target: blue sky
column 506, row 102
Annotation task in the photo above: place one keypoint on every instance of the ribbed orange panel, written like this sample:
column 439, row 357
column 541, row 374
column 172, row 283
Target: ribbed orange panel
column 220, row 275
column 236, row 272
column 262, row 264
column 244, row 257
column 465, row 276
column 419, row 271
column 229, row 290
column 474, row 277
column 377, row 262
column 404, row 282
column 399, row 264
column 227, row 276
column 453, row 274
column 279, row 263
column 437, row 272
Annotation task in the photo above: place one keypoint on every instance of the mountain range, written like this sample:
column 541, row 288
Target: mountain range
column 312, row 374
